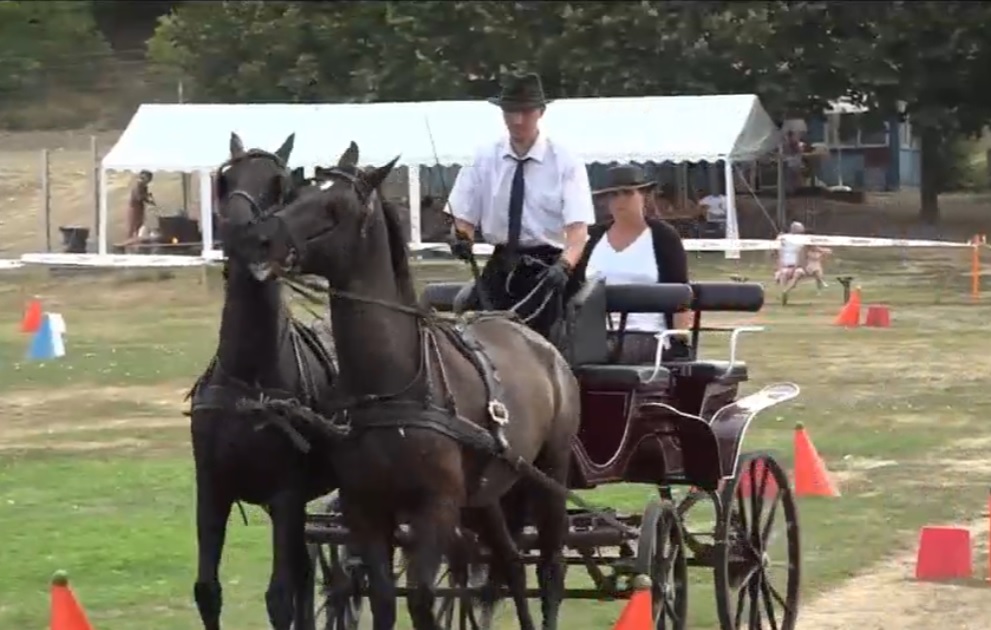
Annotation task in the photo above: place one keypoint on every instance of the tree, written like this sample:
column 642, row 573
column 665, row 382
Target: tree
column 44, row 46
column 926, row 61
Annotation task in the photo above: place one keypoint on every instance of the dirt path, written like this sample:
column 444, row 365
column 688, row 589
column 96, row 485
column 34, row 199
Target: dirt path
column 31, row 422
column 887, row 598
column 886, row 595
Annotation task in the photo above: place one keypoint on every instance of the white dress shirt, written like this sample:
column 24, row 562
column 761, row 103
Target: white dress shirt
column 556, row 193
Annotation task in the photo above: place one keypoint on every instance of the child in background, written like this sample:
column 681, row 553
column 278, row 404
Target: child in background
column 814, row 256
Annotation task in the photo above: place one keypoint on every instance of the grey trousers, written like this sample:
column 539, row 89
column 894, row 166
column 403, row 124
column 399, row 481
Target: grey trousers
column 640, row 348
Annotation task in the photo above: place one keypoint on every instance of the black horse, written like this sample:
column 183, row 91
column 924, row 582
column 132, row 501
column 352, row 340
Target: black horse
column 431, row 403
column 258, row 458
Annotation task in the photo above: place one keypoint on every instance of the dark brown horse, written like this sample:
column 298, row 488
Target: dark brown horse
column 246, row 457
column 423, row 395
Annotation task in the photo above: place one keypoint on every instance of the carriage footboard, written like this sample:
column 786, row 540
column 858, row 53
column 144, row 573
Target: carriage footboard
column 730, row 423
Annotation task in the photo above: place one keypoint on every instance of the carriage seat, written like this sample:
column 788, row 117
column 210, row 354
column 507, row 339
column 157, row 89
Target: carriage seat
column 587, row 336
column 727, row 297
column 640, row 378
column 709, row 371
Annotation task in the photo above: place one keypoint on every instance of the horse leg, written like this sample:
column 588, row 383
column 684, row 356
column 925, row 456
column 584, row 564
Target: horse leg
column 433, row 528
column 304, row 582
column 506, row 563
column 376, row 553
column 288, row 512
column 212, row 513
column 213, row 508
column 551, row 519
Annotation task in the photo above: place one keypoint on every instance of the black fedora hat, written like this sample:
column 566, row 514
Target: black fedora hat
column 521, row 93
column 625, row 177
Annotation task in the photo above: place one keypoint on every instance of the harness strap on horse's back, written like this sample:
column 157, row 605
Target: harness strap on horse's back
column 464, row 338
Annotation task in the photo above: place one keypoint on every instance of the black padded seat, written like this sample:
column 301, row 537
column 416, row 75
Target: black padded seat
column 708, row 370
column 624, row 377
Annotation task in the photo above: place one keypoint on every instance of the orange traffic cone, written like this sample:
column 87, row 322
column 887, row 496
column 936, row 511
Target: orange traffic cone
column 31, row 321
column 811, row 477
column 639, row 611
column 66, row 613
column 849, row 315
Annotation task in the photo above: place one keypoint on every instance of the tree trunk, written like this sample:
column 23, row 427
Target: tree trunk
column 929, row 184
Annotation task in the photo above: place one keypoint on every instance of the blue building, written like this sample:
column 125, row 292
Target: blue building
column 863, row 154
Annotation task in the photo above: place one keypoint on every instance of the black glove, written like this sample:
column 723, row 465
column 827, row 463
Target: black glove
column 461, row 246
column 557, row 275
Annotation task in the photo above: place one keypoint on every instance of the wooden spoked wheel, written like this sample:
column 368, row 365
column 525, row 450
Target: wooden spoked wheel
column 757, row 561
column 339, row 581
column 661, row 557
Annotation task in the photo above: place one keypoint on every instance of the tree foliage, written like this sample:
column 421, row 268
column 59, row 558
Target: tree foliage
column 929, row 56
column 44, row 40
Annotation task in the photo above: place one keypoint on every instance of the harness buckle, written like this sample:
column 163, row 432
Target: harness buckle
column 498, row 413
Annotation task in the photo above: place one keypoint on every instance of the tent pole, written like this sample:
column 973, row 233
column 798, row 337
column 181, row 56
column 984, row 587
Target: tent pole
column 101, row 224
column 732, row 225
column 206, row 211
column 413, row 182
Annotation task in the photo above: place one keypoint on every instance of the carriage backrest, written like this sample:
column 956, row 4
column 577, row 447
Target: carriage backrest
column 738, row 297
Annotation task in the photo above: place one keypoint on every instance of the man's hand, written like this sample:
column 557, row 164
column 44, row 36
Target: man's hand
column 461, row 245
column 558, row 274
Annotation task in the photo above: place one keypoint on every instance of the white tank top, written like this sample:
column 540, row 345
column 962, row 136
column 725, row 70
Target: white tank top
column 790, row 252
column 633, row 265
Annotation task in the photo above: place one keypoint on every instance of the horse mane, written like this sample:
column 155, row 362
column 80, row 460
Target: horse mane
column 398, row 250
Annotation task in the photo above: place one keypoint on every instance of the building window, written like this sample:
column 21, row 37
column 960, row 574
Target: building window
column 857, row 130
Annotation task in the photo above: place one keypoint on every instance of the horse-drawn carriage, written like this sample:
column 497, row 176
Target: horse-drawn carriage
column 675, row 425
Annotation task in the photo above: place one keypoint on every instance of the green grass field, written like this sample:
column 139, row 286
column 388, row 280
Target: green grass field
column 96, row 474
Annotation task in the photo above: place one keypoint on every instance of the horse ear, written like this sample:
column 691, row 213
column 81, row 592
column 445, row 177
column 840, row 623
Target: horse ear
column 286, row 148
column 237, row 146
column 350, row 156
column 375, row 178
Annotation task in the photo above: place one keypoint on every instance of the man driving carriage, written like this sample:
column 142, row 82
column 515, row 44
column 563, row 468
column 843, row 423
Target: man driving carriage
column 532, row 199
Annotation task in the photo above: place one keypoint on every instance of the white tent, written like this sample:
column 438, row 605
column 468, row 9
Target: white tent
column 194, row 138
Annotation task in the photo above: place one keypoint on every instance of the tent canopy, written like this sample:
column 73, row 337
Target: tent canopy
column 195, row 137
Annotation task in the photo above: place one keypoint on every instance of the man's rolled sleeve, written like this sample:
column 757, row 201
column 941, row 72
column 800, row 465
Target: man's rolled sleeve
column 577, row 194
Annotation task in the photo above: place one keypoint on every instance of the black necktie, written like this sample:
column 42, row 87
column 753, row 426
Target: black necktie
column 515, row 210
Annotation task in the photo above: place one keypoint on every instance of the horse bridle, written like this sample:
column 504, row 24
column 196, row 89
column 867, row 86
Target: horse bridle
column 357, row 185
column 285, row 183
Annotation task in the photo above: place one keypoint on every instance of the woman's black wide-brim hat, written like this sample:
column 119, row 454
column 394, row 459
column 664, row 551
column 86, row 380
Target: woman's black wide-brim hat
column 625, row 177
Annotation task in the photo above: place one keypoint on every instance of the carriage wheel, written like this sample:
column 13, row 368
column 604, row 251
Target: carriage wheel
column 757, row 550
column 661, row 556
column 466, row 611
column 338, row 580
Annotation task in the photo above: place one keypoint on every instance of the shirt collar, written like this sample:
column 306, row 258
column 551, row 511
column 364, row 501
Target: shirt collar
column 537, row 152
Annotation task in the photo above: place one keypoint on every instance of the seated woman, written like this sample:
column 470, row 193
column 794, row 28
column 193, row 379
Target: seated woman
column 634, row 249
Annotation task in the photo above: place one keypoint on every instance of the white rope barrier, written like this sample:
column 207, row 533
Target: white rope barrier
column 134, row 261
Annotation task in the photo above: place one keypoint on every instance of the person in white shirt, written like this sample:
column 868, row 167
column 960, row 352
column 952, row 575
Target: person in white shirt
column 791, row 267
column 531, row 198
column 634, row 249
column 715, row 208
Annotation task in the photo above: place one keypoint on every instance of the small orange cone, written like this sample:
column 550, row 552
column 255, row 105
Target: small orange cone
column 31, row 321
column 849, row 315
column 639, row 611
column 66, row 613
column 811, row 477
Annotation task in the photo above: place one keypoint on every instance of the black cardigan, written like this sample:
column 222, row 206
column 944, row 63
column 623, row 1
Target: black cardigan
column 669, row 254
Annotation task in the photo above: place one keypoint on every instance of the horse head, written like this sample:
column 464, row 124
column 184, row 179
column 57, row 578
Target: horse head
column 324, row 233
column 249, row 182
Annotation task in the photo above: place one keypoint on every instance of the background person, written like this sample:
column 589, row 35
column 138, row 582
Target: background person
column 138, row 201
column 635, row 249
